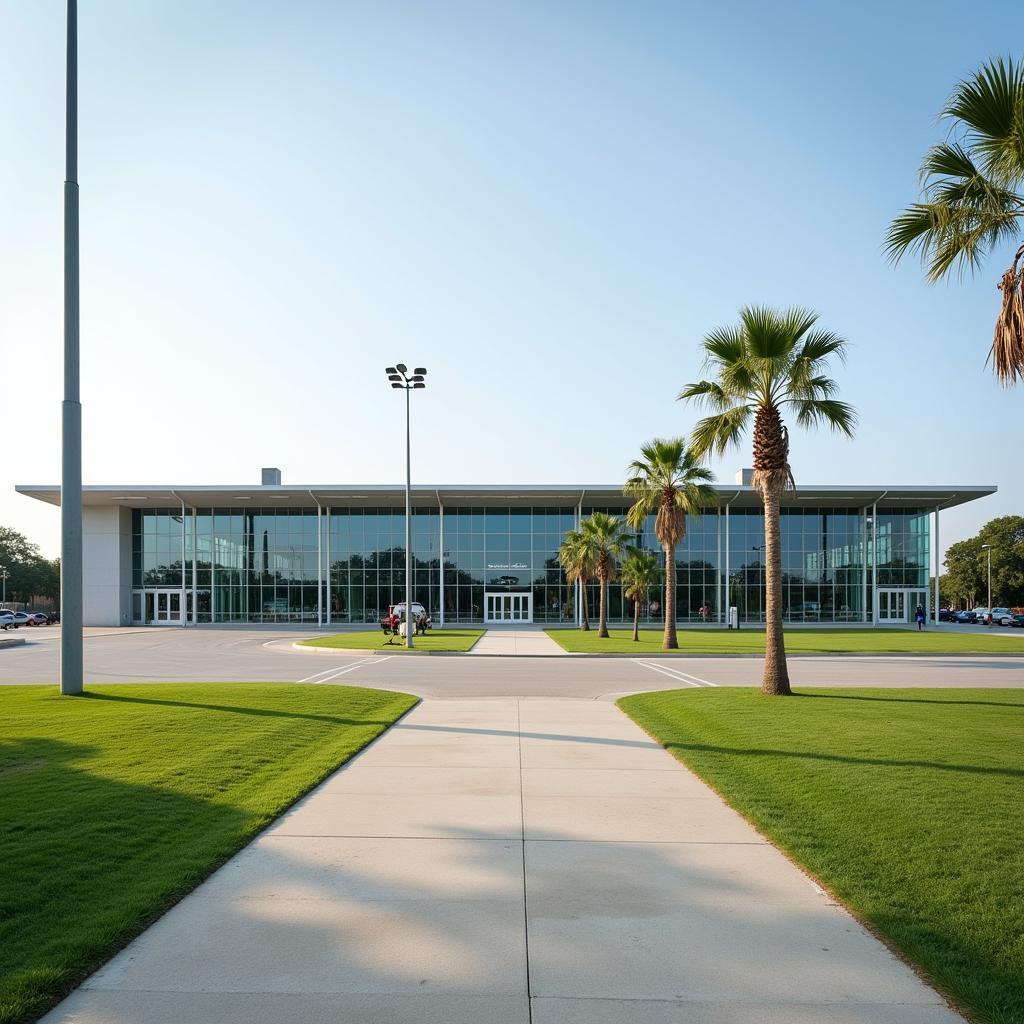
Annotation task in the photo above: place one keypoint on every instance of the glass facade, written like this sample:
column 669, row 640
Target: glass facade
column 346, row 565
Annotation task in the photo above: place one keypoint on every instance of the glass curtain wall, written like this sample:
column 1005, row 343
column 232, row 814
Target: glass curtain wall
column 260, row 564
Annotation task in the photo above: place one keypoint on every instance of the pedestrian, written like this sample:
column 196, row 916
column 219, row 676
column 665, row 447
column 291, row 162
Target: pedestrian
column 919, row 618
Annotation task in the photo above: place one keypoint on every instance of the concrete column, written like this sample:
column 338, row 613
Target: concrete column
column 938, row 562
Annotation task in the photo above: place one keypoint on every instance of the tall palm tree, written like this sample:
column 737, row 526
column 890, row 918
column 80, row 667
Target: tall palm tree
column 639, row 572
column 575, row 555
column 668, row 482
column 608, row 539
column 973, row 199
column 770, row 362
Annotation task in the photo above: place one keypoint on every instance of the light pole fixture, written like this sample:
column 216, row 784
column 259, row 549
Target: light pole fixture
column 988, row 548
column 71, row 682
column 3, row 578
column 403, row 380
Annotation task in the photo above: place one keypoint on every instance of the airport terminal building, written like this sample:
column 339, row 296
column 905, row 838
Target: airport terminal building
column 335, row 555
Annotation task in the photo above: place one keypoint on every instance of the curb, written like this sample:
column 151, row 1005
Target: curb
column 12, row 641
column 676, row 656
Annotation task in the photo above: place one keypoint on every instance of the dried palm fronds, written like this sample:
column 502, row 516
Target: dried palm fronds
column 1007, row 353
column 772, row 474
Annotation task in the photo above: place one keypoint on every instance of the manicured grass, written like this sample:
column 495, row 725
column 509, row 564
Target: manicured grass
column 115, row 805
column 374, row 639
column 798, row 641
column 905, row 803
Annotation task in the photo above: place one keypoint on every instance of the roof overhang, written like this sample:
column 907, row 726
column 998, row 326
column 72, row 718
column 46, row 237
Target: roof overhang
column 430, row 496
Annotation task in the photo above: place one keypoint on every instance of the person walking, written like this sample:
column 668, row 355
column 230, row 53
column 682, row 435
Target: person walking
column 919, row 618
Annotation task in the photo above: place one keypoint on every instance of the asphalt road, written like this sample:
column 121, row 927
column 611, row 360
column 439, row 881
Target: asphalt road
column 234, row 655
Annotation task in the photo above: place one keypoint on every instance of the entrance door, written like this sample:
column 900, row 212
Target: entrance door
column 892, row 606
column 158, row 607
column 508, row 608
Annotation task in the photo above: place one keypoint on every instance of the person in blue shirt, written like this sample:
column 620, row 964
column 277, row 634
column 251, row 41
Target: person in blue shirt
column 919, row 618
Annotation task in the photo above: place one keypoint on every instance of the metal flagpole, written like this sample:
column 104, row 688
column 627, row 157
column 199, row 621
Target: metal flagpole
column 71, row 410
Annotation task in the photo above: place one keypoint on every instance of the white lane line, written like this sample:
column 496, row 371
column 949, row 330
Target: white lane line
column 328, row 674
column 674, row 673
column 666, row 672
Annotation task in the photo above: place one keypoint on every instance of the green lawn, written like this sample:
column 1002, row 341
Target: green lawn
column 374, row 639
column 798, row 641
column 115, row 805
column 905, row 803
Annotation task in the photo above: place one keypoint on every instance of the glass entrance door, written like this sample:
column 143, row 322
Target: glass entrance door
column 892, row 606
column 157, row 607
column 508, row 608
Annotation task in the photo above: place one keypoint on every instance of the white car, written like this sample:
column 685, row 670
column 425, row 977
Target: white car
column 1002, row 617
column 7, row 619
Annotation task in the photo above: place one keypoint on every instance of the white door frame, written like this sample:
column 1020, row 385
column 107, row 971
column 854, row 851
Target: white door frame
column 506, row 608
column 897, row 605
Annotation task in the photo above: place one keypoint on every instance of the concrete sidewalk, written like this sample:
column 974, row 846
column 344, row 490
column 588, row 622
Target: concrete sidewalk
column 505, row 641
column 505, row 862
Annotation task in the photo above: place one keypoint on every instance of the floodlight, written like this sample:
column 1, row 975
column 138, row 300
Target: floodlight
column 401, row 368
column 390, row 369
column 419, row 385
column 421, row 370
column 399, row 386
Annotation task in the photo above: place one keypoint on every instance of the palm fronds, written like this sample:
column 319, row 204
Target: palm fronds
column 972, row 198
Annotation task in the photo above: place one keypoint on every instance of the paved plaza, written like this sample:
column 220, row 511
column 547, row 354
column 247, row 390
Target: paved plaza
column 508, row 861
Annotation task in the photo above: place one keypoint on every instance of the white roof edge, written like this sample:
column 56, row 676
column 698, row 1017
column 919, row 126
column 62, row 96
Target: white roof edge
column 511, row 488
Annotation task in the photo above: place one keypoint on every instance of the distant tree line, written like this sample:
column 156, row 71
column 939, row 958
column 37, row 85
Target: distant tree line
column 964, row 584
column 29, row 574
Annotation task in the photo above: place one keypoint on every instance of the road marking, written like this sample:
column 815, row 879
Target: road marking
column 332, row 673
column 674, row 673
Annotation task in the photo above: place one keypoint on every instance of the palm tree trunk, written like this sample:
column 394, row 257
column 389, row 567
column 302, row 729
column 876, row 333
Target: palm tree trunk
column 636, row 619
column 670, row 642
column 602, row 621
column 585, row 618
column 776, row 672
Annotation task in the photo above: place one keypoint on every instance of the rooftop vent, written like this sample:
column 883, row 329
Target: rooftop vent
column 271, row 476
column 743, row 477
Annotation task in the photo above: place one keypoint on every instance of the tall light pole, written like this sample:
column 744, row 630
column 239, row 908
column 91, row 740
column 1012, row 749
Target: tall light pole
column 401, row 378
column 3, row 577
column 988, row 548
column 71, row 410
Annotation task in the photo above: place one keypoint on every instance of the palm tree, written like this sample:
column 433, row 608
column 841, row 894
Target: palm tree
column 771, row 361
column 973, row 199
column 576, row 558
column 668, row 482
column 608, row 539
column 640, row 571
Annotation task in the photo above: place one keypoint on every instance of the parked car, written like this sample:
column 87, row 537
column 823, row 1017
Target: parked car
column 20, row 619
column 1002, row 617
column 947, row 615
column 1018, row 620
column 37, row 619
column 7, row 620
column 966, row 616
column 53, row 618
column 981, row 616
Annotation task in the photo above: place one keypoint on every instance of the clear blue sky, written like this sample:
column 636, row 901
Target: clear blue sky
column 546, row 204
